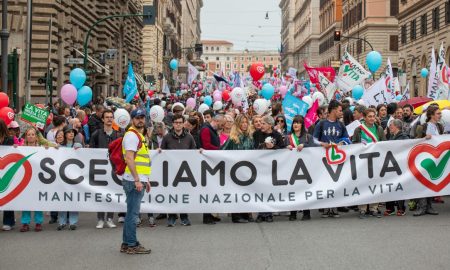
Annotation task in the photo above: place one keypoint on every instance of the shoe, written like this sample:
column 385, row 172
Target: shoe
column 343, row 209
column 269, row 219
column 438, row 200
column 61, row 227
column 123, row 248
column 38, row 228
column 171, row 222
column 185, row 222
column 121, row 220
column 110, row 223
column 151, row 222
column 306, row 217
column 376, row 214
column 138, row 250
column 161, row 216
column 412, row 205
column 260, row 219
column 216, row 219
column 25, row 228
column 419, row 212
column 209, row 221
column 401, row 213
column 325, row 214
column 138, row 222
column 73, row 227
column 362, row 215
column 389, row 213
column 333, row 214
column 240, row 220
column 100, row 224
column 431, row 211
column 53, row 221
column 292, row 218
column 7, row 228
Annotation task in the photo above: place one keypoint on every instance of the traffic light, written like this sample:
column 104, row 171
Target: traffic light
column 199, row 48
column 337, row 35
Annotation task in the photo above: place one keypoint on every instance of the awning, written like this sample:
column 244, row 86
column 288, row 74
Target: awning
column 100, row 67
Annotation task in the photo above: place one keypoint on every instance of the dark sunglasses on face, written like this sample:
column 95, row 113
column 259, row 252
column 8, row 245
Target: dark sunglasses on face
column 280, row 121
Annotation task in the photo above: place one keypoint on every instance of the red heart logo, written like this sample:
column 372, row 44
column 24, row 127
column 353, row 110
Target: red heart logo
column 436, row 153
column 5, row 161
column 335, row 152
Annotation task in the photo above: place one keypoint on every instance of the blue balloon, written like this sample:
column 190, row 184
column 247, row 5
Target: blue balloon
column 338, row 97
column 307, row 85
column 424, row 72
column 374, row 60
column 357, row 92
column 77, row 77
column 398, row 97
column 267, row 91
column 352, row 108
column 173, row 64
column 84, row 95
column 208, row 100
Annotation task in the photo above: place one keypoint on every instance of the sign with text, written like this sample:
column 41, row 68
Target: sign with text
column 34, row 115
column 186, row 181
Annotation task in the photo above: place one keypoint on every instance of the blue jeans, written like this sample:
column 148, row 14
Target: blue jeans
column 133, row 199
column 26, row 217
column 73, row 218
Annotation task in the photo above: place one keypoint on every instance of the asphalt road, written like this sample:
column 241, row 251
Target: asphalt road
column 346, row 243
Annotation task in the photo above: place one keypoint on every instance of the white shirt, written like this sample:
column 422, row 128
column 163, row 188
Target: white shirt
column 432, row 129
column 130, row 142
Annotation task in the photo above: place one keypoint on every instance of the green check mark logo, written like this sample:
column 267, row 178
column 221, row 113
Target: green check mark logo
column 434, row 171
column 334, row 156
column 6, row 180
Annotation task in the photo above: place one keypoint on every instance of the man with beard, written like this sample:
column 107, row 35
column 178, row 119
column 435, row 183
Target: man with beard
column 408, row 118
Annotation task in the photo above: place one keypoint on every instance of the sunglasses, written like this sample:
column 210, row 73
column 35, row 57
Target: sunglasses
column 280, row 121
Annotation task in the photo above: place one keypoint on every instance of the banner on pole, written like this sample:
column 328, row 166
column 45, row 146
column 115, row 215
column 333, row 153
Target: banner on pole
column 351, row 73
column 34, row 115
column 376, row 94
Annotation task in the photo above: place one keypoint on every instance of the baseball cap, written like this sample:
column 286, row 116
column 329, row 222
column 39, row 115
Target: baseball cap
column 137, row 113
column 13, row 124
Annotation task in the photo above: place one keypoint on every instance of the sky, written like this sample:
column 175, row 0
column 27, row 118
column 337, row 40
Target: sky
column 243, row 23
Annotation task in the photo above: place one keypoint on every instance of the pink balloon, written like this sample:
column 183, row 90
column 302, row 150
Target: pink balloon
column 190, row 103
column 283, row 90
column 217, row 96
column 200, row 87
column 69, row 94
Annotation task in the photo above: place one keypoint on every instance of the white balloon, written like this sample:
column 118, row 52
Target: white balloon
column 361, row 102
column 156, row 113
column 237, row 95
column 319, row 96
column 308, row 100
column 423, row 118
column 446, row 117
column 163, row 104
column 184, row 91
column 122, row 117
column 218, row 105
column 202, row 108
column 350, row 100
column 260, row 106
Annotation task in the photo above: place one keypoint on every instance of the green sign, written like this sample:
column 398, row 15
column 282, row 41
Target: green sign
column 34, row 115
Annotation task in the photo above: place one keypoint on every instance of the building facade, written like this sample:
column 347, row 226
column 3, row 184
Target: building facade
column 112, row 44
column 219, row 56
column 287, row 34
column 423, row 24
column 375, row 22
column 330, row 16
column 306, row 35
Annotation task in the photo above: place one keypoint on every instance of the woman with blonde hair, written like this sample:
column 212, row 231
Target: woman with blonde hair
column 241, row 138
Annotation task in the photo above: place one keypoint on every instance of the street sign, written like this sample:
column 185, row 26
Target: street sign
column 150, row 15
column 74, row 61
column 335, row 64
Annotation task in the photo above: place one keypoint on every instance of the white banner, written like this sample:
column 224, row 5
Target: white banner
column 390, row 83
column 351, row 73
column 229, row 181
column 192, row 73
column 441, row 70
column 376, row 94
column 433, row 78
column 329, row 88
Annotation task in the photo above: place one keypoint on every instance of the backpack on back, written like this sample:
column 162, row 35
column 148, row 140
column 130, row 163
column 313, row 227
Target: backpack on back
column 116, row 158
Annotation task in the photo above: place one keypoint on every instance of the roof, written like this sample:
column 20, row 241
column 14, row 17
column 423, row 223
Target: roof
column 216, row 42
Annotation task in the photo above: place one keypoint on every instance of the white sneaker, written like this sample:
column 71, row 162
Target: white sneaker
column 151, row 221
column 110, row 223
column 121, row 220
column 6, row 228
column 100, row 224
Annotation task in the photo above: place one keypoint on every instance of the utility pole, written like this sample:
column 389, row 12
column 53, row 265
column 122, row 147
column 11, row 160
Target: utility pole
column 29, row 39
column 4, row 35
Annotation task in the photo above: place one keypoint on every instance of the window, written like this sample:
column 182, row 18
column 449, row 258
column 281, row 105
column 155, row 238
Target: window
column 235, row 66
column 217, row 66
column 393, row 43
column 403, row 38
column 206, row 58
column 206, row 48
column 447, row 11
column 217, row 58
column 242, row 58
column 217, row 48
column 212, row 49
column 257, row 58
column 249, row 58
column 271, row 58
column 242, row 66
column 412, row 30
column 394, row 8
column 264, row 59
column 423, row 24
column 228, row 58
column 435, row 19
column 359, row 46
column 228, row 66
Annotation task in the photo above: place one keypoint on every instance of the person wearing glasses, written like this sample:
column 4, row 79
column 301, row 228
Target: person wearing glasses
column 280, row 125
column 178, row 139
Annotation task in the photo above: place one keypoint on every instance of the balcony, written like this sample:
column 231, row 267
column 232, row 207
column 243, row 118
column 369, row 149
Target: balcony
column 170, row 24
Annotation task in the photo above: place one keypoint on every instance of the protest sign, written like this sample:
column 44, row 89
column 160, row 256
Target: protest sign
column 293, row 106
column 351, row 73
column 34, row 115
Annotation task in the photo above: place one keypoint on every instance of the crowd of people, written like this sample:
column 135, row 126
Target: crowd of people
column 225, row 129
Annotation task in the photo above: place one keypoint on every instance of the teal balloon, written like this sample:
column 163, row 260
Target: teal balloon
column 84, row 95
column 374, row 60
column 398, row 97
column 77, row 78
column 267, row 91
column 173, row 64
column 357, row 92
column 424, row 72
column 352, row 108
column 231, row 84
column 208, row 100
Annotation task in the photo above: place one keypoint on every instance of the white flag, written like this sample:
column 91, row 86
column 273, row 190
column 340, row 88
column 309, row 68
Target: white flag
column 441, row 70
column 193, row 72
column 292, row 72
column 433, row 79
column 351, row 73
column 377, row 93
column 406, row 95
column 390, row 84
column 165, row 87
column 328, row 87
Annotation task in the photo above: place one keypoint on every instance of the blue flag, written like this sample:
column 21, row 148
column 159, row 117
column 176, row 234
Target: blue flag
column 293, row 106
column 130, row 87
